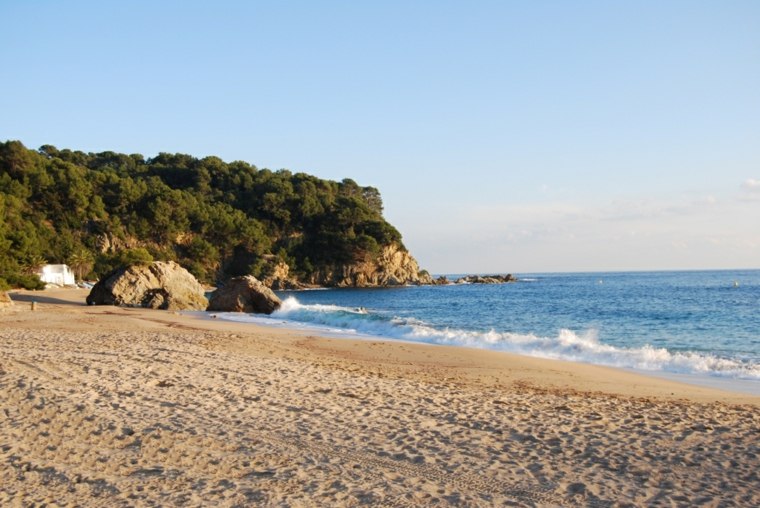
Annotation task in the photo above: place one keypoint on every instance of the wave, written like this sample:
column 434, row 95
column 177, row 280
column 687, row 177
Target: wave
column 566, row 345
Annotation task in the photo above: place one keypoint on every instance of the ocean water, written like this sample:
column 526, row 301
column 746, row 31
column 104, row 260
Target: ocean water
column 701, row 323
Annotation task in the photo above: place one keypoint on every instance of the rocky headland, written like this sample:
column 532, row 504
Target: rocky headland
column 394, row 266
column 218, row 220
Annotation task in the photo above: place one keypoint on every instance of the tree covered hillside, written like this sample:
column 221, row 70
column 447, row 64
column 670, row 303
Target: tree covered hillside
column 95, row 211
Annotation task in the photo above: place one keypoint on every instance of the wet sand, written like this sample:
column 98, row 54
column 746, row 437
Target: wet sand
column 105, row 406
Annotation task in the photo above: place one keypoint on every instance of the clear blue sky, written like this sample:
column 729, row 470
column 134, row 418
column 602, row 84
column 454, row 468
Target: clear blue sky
column 504, row 136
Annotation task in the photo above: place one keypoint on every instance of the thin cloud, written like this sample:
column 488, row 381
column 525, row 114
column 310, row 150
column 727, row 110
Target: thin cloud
column 751, row 189
column 686, row 231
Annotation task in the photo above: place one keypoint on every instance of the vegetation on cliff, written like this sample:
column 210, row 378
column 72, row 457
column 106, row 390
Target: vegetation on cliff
column 97, row 211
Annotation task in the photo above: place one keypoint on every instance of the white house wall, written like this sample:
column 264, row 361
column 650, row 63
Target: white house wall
column 57, row 274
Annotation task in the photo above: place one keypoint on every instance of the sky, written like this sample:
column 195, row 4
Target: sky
column 504, row 136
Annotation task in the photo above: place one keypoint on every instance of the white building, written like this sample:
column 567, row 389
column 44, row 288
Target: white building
column 57, row 274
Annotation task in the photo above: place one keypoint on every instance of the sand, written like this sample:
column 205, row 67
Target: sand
column 105, row 406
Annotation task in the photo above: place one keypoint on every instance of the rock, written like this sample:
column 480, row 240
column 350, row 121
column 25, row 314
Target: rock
column 393, row 281
column 395, row 266
column 281, row 279
column 288, row 284
column 486, row 279
column 244, row 294
column 5, row 301
column 440, row 281
column 110, row 243
column 156, row 285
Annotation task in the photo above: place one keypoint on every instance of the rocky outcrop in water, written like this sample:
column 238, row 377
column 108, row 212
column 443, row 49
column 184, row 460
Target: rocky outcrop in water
column 157, row 285
column 486, row 279
column 395, row 266
column 244, row 294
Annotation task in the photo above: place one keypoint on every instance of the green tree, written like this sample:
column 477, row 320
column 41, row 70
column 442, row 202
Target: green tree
column 81, row 261
column 139, row 255
column 15, row 158
column 217, row 218
column 33, row 264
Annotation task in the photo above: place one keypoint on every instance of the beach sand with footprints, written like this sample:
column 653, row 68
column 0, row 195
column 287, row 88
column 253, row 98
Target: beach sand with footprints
column 105, row 406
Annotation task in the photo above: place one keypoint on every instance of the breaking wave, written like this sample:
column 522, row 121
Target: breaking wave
column 566, row 345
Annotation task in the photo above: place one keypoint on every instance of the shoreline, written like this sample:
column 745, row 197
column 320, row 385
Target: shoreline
column 726, row 384
column 554, row 372
column 125, row 406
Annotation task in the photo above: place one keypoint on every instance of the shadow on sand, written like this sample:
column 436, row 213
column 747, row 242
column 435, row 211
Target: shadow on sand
column 41, row 297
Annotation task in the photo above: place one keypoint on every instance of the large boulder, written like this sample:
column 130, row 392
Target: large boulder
column 157, row 285
column 244, row 294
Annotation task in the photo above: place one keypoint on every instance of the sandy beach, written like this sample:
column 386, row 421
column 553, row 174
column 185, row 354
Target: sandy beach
column 105, row 406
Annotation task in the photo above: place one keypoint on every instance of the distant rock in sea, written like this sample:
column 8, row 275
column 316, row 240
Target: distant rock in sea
column 157, row 285
column 486, row 279
column 244, row 294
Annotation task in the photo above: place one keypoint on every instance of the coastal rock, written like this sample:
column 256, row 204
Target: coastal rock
column 110, row 243
column 281, row 279
column 244, row 294
column 486, row 279
column 156, row 285
column 440, row 281
column 395, row 266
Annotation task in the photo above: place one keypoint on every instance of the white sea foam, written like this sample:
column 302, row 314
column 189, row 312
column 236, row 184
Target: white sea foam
column 566, row 345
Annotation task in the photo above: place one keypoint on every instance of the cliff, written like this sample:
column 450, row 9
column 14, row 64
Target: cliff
column 395, row 266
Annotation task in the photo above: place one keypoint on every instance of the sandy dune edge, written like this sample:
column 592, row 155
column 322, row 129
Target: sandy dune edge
column 124, row 407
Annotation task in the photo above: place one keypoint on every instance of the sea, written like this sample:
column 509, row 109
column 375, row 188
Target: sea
column 701, row 327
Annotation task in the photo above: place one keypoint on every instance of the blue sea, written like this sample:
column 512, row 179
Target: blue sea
column 705, row 324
